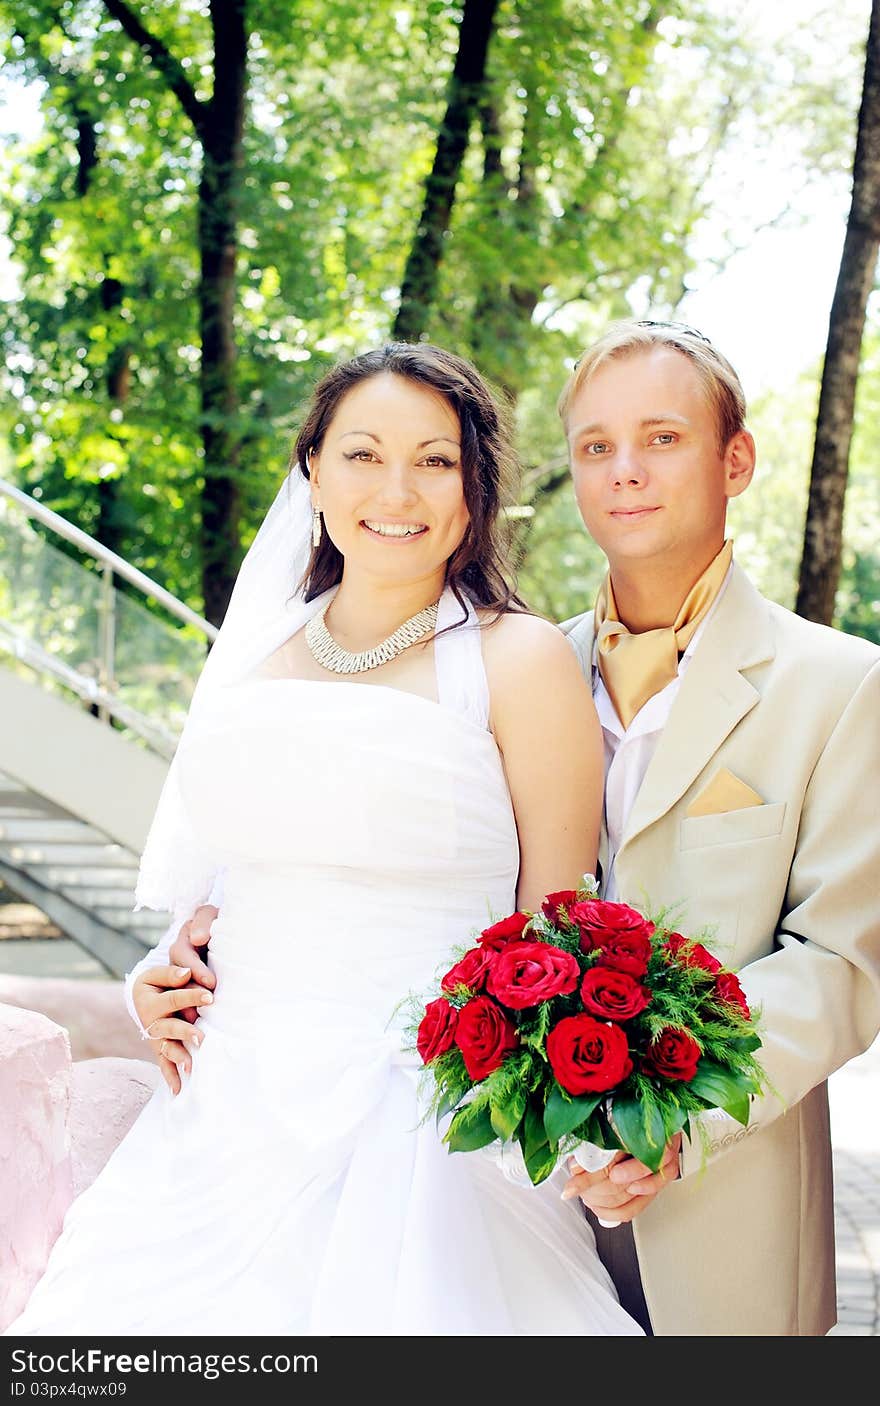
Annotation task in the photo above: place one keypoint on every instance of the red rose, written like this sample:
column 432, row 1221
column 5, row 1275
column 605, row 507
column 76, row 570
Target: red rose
column 587, row 1056
column 728, row 989
column 627, row 952
column 484, row 1035
column 527, row 973
column 507, row 930
column 674, row 1054
column 436, row 1033
column 554, row 901
column 598, row 921
column 692, row 954
column 470, row 971
column 613, row 995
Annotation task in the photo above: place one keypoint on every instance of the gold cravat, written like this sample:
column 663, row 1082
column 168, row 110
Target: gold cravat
column 635, row 667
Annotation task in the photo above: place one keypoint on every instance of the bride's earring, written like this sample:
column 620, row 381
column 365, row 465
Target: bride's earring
column 316, row 527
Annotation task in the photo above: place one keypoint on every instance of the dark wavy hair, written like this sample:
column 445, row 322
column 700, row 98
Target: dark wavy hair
column 481, row 567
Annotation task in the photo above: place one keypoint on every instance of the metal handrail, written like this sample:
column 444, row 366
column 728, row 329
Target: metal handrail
column 160, row 738
column 101, row 689
column 109, row 560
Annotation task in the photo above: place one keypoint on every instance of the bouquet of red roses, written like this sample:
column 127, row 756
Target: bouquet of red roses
column 586, row 1022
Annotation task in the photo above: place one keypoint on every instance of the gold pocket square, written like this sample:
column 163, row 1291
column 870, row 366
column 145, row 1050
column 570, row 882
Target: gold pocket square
column 724, row 792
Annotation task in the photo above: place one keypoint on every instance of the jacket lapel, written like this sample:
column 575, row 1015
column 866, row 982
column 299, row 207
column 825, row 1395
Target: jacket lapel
column 714, row 696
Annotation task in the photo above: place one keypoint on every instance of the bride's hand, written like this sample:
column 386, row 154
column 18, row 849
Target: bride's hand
column 159, row 996
column 624, row 1188
column 191, row 941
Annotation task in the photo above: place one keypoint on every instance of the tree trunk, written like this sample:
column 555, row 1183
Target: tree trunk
column 117, row 382
column 464, row 94
column 219, row 125
column 503, row 310
column 823, row 532
column 117, row 375
column 218, row 193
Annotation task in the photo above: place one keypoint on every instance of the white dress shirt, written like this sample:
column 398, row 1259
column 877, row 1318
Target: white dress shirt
column 628, row 751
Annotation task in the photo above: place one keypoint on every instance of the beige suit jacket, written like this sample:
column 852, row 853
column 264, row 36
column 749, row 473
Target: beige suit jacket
column 745, row 1245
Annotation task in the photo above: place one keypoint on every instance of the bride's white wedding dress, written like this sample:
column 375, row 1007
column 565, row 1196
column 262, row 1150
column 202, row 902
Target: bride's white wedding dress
column 290, row 1188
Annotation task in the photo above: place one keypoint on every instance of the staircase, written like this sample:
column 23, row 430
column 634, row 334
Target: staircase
column 93, row 691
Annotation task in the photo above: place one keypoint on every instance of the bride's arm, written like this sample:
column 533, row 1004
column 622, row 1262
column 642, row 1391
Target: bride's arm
column 546, row 727
column 551, row 740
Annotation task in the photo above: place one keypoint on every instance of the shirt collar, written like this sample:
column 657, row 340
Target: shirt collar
column 652, row 715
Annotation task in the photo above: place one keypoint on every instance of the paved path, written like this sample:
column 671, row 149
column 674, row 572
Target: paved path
column 855, row 1127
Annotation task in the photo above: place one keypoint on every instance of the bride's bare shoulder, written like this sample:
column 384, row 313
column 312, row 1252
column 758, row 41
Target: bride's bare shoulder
column 517, row 638
column 536, row 687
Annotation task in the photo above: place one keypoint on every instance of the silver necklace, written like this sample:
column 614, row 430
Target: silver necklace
column 330, row 655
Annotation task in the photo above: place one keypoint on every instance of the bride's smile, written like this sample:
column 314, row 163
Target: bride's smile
column 396, row 531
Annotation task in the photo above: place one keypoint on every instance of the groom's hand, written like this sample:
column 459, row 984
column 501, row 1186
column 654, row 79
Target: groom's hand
column 625, row 1188
column 189, row 949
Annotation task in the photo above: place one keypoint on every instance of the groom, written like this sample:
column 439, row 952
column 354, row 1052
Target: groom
column 742, row 749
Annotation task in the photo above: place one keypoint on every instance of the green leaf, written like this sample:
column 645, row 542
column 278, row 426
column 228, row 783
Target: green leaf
column 745, row 1044
column 470, row 1129
column 539, row 1155
column 737, row 1105
column 674, row 1118
column 600, row 1131
column 532, row 1134
column 450, row 1100
column 722, row 1088
column 563, row 1113
column 506, row 1114
column 641, row 1129
column 541, row 1162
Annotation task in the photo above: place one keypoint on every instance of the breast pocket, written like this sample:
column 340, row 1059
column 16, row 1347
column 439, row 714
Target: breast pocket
column 733, row 827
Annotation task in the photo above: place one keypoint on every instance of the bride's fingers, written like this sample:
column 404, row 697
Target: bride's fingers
column 166, row 1003
column 169, row 1001
column 638, row 1180
column 164, row 989
column 174, row 1031
column 200, row 927
column 190, row 944
column 168, row 1070
column 595, row 1190
column 186, row 955
column 610, row 1206
column 177, row 1054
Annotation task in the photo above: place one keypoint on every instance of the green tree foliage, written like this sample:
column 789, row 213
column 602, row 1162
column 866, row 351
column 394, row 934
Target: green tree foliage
column 583, row 181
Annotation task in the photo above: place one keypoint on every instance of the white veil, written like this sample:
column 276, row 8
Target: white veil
column 265, row 609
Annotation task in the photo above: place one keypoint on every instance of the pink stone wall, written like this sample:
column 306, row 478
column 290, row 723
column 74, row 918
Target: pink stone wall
column 107, row 1096
column 93, row 1013
column 36, row 1181
column 59, row 1123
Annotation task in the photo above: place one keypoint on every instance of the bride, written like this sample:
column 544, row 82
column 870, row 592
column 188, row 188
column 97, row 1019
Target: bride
column 384, row 753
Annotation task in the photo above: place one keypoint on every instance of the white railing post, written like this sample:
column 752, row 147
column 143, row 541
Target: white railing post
column 107, row 637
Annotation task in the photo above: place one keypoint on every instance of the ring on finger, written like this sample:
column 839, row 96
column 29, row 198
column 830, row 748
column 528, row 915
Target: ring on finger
column 163, row 1049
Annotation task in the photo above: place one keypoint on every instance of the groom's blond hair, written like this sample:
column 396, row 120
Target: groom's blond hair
column 717, row 377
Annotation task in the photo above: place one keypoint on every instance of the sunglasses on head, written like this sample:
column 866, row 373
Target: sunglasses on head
column 682, row 328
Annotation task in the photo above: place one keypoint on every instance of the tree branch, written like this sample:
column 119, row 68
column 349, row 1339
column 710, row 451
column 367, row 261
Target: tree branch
column 161, row 57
